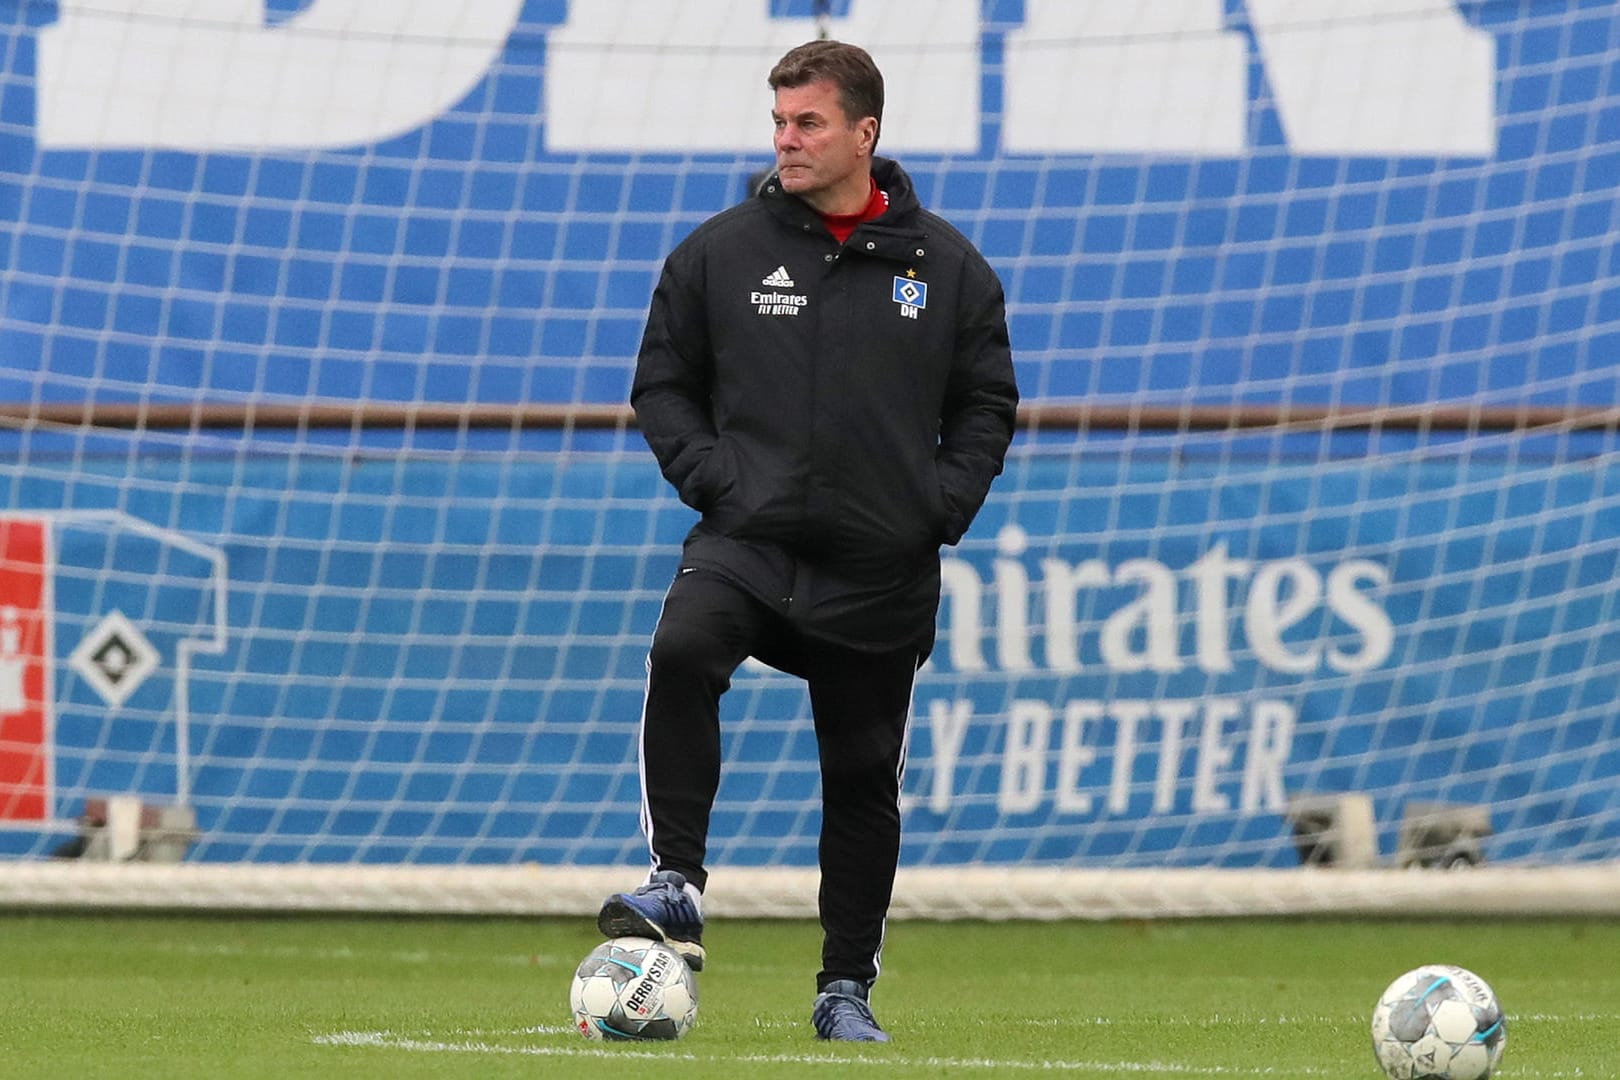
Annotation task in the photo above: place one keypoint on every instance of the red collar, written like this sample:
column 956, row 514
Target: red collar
column 841, row 225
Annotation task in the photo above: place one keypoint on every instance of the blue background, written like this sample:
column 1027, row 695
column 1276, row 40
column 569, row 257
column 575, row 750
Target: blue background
column 436, row 639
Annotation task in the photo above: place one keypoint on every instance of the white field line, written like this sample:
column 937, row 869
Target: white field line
column 391, row 1041
column 344, row 953
column 471, row 1041
column 1216, row 1019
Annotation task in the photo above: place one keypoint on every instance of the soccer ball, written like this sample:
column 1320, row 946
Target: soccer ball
column 633, row 988
column 1438, row 1022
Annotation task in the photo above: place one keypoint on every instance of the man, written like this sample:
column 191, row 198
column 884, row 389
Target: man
column 825, row 376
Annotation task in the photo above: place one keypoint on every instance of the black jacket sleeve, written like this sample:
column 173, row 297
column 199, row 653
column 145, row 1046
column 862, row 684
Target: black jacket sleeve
column 981, row 402
column 671, row 391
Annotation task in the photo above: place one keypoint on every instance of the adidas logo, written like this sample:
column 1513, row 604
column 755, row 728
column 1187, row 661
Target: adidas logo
column 778, row 279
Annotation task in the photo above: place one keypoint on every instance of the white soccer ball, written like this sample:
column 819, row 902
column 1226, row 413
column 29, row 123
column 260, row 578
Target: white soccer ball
column 1439, row 1022
column 633, row 988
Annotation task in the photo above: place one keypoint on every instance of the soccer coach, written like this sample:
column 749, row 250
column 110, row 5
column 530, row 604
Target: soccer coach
column 826, row 378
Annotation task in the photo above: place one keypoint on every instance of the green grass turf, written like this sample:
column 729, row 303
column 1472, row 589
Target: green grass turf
column 223, row 997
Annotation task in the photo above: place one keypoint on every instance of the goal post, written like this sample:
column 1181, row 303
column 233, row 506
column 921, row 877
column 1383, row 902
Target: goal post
column 933, row 894
column 325, row 526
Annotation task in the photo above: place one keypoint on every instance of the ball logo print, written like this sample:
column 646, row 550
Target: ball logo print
column 630, row 989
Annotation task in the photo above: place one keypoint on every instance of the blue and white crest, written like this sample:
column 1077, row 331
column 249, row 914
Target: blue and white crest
column 909, row 292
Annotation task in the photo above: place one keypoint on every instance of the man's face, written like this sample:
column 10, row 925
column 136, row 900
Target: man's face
column 817, row 148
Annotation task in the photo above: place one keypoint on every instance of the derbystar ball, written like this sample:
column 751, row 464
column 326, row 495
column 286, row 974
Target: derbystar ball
column 633, row 988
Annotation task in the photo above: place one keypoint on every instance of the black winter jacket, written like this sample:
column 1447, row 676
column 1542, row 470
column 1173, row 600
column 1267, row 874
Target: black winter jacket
column 835, row 412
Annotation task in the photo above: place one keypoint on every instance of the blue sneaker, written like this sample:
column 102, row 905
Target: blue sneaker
column 841, row 1014
column 661, row 910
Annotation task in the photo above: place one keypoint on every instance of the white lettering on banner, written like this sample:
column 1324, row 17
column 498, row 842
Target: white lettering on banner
column 1173, row 719
column 1023, row 757
column 1128, row 717
column 1143, row 633
column 1104, row 76
column 1214, row 755
column 1012, row 602
column 1373, row 77
column 1151, row 618
column 614, row 68
column 1271, row 740
column 13, row 663
column 1385, row 77
column 1075, row 756
column 1063, row 586
column 197, row 76
column 1369, row 620
column 947, row 724
column 1204, row 735
column 960, row 582
column 1281, row 594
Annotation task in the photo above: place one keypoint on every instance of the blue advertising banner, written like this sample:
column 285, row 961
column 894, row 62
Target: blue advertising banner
column 438, row 682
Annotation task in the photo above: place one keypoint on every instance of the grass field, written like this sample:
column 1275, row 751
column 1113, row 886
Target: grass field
column 223, row 997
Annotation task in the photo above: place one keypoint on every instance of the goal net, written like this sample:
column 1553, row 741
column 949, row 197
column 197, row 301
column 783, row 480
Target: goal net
column 330, row 555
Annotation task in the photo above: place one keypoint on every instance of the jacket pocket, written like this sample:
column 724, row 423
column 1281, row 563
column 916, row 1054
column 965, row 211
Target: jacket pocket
column 939, row 510
column 713, row 477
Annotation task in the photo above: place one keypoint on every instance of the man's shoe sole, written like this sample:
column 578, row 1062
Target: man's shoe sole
column 619, row 919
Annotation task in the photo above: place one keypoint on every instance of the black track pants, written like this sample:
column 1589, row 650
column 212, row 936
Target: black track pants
column 860, row 700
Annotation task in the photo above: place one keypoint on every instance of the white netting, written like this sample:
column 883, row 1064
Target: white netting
column 289, row 286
